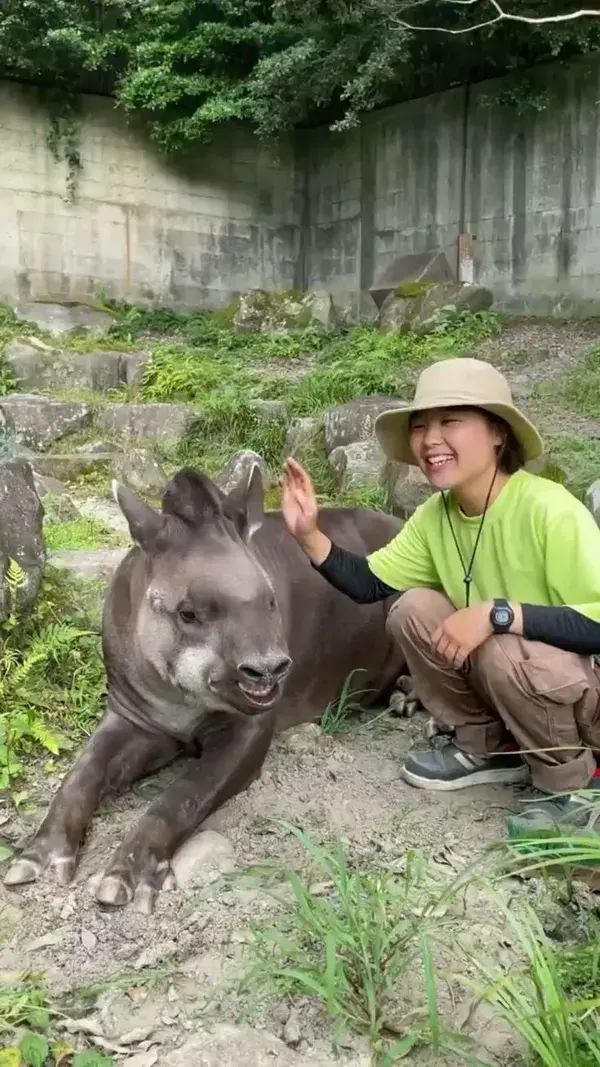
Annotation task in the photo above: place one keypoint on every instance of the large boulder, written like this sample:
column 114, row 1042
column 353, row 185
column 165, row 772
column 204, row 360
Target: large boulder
column 38, row 421
column 36, row 369
column 406, row 488
column 344, row 424
column 268, row 410
column 592, row 499
column 358, row 465
column 167, row 421
column 61, row 319
column 302, row 433
column 237, row 470
column 139, row 471
column 21, row 531
column 419, row 310
column 260, row 311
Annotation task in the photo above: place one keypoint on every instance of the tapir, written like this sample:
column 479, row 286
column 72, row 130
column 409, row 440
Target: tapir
column 217, row 632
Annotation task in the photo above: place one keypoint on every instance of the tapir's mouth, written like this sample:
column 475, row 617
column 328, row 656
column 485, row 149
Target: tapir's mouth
column 261, row 695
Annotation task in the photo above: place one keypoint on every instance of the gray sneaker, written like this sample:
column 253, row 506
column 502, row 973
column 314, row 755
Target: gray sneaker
column 449, row 767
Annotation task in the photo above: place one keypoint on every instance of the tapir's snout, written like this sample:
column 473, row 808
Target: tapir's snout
column 261, row 678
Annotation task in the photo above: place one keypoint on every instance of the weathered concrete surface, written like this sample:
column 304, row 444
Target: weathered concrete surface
column 144, row 229
column 326, row 211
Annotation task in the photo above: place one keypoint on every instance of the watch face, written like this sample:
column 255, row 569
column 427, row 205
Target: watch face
column 501, row 616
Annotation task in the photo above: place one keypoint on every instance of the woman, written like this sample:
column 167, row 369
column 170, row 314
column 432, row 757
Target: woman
column 499, row 617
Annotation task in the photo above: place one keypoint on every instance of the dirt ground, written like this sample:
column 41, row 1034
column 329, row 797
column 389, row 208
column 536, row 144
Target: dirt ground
column 165, row 979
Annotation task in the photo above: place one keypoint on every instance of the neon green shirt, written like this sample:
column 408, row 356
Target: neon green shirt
column 539, row 545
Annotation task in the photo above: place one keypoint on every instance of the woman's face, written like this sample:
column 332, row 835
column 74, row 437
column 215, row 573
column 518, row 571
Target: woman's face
column 454, row 446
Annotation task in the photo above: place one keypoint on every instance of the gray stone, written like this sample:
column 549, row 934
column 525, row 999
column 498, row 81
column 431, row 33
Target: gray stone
column 346, row 423
column 21, row 531
column 106, row 511
column 225, row 1045
column 237, row 469
column 94, row 448
column 45, row 484
column 61, row 319
column 133, row 366
column 268, row 410
column 354, row 307
column 146, row 420
column 139, row 471
column 416, row 271
column 203, row 856
column 66, row 466
column 59, row 507
column 406, row 487
column 302, row 432
column 358, row 465
column 84, row 563
column 259, row 311
column 34, row 369
column 592, row 499
column 38, row 421
column 422, row 311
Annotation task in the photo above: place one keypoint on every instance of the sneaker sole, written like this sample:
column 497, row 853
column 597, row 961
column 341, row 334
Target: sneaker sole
column 501, row 776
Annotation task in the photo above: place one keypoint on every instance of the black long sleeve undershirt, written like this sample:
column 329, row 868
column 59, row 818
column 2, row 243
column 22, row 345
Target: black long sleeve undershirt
column 561, row 626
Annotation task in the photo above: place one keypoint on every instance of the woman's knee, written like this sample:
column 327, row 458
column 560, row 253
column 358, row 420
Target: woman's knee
column 418, row 613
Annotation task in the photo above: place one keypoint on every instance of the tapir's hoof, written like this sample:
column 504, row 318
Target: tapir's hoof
column 114, row 890
column 405, row 705
column 22, row 871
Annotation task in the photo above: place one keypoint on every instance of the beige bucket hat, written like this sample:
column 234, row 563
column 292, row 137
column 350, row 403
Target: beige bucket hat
column 456, row 383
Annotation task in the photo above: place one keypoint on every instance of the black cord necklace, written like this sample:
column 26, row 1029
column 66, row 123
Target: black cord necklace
column 467, row 571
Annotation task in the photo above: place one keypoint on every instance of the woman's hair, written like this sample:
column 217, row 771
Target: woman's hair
column 511, row 455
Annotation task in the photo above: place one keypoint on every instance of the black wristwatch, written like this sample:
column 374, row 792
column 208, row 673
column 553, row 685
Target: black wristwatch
column 501, row 616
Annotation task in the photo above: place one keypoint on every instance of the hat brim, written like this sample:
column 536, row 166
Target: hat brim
column 392, row 429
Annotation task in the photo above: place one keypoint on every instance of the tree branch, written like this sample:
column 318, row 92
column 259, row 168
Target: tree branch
column 500, row 16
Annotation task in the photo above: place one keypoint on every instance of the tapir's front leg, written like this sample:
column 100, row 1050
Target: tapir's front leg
column 114, row 756
column 231, row 759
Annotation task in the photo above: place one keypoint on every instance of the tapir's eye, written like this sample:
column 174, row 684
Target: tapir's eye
column 187, row 616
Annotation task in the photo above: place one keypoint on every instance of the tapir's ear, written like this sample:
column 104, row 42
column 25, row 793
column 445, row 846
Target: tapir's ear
column 144, row 522
column 246, row 503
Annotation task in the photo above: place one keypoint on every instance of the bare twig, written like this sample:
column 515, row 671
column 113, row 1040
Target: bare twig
column 500, row 16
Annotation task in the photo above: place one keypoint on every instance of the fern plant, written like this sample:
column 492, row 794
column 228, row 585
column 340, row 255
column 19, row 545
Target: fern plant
column 37, row 667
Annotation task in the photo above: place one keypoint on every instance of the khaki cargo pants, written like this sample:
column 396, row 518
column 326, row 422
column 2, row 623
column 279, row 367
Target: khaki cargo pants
column 513, row 691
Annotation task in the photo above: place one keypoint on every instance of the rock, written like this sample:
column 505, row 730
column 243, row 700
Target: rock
column 301, row 432
column 61, row 319
column 411, row 274
column 421, row 311
column 38, row 420
column 592, row 499
column 344, row 424
column 84, row 563
column 95, row 448
column 142, row 1059
column 133, row 366
column 259, row 311
column 66, row 466
column 21, row 531
column 224, row 1045
column 139, row 471
column 106, row 511
column 59, row 508
column 100, row 371
column 236, row 470
column 291, row 1032
column 203, row 855
column 268, row 410
column 358, row 465
column 354, row 307
column 10, row 445
column 46, row 484
column 146, row 420
column 406, row 486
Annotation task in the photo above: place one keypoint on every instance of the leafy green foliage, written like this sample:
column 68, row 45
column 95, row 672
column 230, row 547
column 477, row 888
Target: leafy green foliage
column 186, row 67
column 51, row 676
